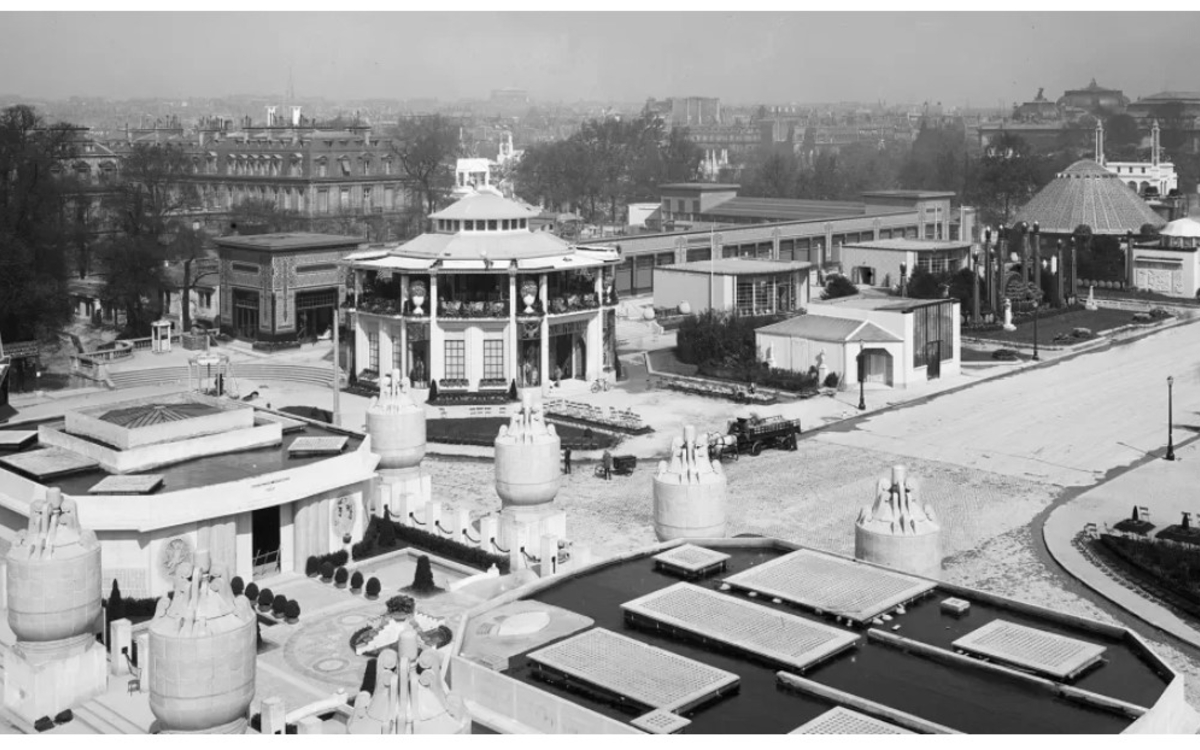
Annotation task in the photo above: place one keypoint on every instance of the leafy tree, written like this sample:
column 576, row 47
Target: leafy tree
column 777, row 175
column 838, row 286
column 1007, row 179
column 40, row 202
column 152, row 189
column 258, row 215
column 925, row 285
column 1121, row 137
column 427, row 148
column 134, row 279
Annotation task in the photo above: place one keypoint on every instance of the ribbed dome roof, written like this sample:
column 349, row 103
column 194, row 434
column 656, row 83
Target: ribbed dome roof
column 1182, row 228
column 484, row 205
column 1087, row 193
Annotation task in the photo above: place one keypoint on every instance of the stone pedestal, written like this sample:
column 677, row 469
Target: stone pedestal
column 528, row 458
column 689, row 492
column 898, row 531
column 404, row 492
column 44, row 678
column 524, row 527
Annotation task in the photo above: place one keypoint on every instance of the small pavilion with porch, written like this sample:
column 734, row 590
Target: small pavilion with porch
column 481, row 301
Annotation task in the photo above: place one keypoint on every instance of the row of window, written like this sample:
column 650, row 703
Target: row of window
column 345, row 199
column 480, row 225
column 272, row 166
column 455, row 357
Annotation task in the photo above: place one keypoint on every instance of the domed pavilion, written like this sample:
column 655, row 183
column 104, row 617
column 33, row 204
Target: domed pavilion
column 482, row 301
column 1087, row 193
column 1170, row 264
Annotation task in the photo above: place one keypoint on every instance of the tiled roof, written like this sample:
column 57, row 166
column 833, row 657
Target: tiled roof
column 1087, row 193
column 820, row 328
column 785, row 209
column 498, row 246
column 909, row 245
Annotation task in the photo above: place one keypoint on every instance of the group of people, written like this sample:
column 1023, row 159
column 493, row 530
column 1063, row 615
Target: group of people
column 606, row 463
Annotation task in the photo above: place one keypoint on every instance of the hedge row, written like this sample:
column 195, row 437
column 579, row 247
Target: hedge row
column 1172, row 567
column 387, row 536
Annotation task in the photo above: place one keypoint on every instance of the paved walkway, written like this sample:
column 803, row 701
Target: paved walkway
column 1166, row 488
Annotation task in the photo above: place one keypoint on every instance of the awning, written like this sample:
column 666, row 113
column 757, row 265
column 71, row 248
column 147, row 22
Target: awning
column 473, row 264
column 558, row 262
column 398, row 263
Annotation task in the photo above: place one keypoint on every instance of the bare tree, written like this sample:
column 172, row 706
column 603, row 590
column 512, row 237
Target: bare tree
column 427, row 148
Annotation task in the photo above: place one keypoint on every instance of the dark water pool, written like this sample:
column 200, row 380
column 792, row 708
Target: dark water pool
column 967, row 700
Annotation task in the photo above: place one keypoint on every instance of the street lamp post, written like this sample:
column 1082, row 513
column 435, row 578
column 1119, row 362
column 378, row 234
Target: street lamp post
column 1074, row 289
column 1170, row 420
column 862, row 377
column 1037, row 256
column 1035, row 331
column 975, row 286
column 903, row 278
column 998, row 280
column 1058, row 274
column 987, row 260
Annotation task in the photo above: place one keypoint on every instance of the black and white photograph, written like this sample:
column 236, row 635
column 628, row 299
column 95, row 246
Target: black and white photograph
column 625, row 369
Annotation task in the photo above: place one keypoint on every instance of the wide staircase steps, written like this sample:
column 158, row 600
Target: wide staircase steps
column 103, row 718
column 246, row 374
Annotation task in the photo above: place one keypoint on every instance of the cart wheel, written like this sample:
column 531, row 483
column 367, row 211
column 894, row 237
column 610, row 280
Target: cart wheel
column 791, row 443
column 756, row 448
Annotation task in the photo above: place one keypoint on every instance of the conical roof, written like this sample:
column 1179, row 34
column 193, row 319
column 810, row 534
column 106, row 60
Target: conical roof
column 1087, row 193
column 1185, row 227
column 484, row 205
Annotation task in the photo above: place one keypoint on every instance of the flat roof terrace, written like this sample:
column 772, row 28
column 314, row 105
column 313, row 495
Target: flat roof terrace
column 197, row 472
column 958, row 696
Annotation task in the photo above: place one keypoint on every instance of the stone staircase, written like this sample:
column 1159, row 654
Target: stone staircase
column 248, row 374
column 97, row 715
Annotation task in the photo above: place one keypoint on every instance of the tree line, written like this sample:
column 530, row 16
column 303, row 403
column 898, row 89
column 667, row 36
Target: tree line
column 606, row 165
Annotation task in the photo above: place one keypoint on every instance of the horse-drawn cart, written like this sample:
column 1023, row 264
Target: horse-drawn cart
column 751, row 435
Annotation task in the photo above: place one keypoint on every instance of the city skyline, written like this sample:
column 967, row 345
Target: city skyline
column 742, row 58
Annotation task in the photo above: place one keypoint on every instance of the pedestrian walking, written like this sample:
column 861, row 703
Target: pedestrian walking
column 567, row 460
column 608, row 464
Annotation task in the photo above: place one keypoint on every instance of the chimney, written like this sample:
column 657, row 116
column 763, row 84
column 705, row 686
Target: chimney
column 1099, row 157
column 1154, row 144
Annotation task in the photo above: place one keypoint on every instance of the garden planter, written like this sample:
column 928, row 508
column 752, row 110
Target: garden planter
column 326, row 579
column 372, row 597
column 340, row 585
column 293, row 620
column 356, row 591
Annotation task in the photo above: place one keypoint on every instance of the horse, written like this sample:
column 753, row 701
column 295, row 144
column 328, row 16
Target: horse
column 721, row 446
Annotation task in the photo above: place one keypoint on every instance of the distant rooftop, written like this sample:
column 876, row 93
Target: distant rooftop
column 919, row 195
column 785, row 209
column 866, row 300
column 739, row 266
column 285, row 241
column 699, row 186
column 908, row 245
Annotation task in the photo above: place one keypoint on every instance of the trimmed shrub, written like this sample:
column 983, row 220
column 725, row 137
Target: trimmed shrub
column 252, row 591
column 378, row 529
column 401, row 605
column 423, row 577
column 293, row 610
column 1142, row 318
column 340, row 577
column 432, row 390
column 1159, row 313
column 372, row 588
column 62, row 717
column 237, row 586
column 326, row 571
column 312, row 567
column 279, row 604
column 356, row 581
column 116, row 606
column 1005, row 355
column 838, row 286
column 386, row 533
column 512, row 391
column 832, row 380
column 265, row 599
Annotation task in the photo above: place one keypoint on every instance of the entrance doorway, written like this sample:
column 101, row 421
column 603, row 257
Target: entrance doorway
column 314, row 313
column 264, row 541
column 878, row 366
column 568, row 357
column 933, row 358
column 245, row 314
column 864, row 275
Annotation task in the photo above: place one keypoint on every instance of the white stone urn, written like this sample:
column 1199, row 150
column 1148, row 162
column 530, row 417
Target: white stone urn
column 529, row 296
column 416, row 292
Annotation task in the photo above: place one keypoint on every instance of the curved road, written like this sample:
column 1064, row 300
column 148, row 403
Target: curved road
column 1093, row 421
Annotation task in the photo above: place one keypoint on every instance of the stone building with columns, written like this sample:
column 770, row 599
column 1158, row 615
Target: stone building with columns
column 481, row 301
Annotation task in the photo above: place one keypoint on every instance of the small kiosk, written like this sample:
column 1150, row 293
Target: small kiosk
column 160, row 336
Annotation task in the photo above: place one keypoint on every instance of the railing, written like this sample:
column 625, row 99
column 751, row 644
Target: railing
column 266, row 564
column 573, row 303
column 455, row 308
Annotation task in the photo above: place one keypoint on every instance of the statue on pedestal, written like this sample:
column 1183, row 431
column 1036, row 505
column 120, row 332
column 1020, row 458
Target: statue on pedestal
column 1091, row 300
column 1008, row 324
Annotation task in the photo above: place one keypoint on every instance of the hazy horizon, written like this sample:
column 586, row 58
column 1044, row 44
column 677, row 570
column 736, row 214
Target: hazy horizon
column 743, row 58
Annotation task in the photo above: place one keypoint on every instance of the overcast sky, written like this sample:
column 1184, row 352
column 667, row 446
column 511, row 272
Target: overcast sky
column 954, row 58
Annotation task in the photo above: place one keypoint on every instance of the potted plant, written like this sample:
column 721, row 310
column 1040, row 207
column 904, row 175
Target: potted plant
column 293, row 612
column 312, row 568
column 356, row 582
column 326, row 572
column 341, row 577
column 265, row 600
column 400, row 606
column 279, row 605
column 252, row 592
column 373, row 588
column 237, row 586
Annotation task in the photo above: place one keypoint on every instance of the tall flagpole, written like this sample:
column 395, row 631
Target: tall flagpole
column 712, row 262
